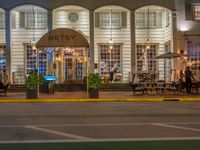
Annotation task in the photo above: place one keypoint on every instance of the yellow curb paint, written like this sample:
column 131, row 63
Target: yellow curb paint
column 99, row 100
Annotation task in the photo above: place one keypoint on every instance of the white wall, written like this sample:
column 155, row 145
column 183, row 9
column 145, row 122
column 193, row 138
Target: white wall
column 119, row 36
column 158, row 36
column 20, row 36
column 61, row 19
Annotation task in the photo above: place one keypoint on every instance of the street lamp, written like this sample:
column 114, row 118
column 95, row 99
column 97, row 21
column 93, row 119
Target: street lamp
column 34, row 48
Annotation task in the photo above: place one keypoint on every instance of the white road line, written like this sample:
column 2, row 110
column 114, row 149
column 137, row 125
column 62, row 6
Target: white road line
column 68, row 135
column 102, row 140
column 176, row 127
column 96, row 124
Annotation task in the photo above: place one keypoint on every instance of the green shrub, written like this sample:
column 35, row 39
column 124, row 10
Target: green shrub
column 32, row 81
column 94, row 81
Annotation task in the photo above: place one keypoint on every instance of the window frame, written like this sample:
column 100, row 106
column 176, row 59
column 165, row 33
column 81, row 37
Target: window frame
column 108, row 59
column 34, row 24
column 2, row 20
column 196, row 11
column 3, row 56
column 145, row 22
column 110, row 23
column 34, row 60
column 149, row 54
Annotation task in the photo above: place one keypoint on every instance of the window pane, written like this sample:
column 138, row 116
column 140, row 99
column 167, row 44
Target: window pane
column 36, row 20
column 196, row 12
column 2, row 20
column 107, row 20
column 31, row 63
column 2, row 57
column 110, row 60
column 151, row 53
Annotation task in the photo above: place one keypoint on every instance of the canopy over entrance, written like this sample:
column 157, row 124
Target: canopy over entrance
column 62, row 37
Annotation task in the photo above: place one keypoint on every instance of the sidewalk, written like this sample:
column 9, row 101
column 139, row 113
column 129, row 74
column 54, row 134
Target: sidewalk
column 103, row 96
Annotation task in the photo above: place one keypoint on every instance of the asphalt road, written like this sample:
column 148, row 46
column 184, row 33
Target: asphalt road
column 95, row 121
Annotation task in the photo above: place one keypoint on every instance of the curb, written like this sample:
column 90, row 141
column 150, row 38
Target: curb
column 100, row 100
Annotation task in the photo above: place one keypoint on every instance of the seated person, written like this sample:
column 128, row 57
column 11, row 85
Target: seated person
column 1, row 85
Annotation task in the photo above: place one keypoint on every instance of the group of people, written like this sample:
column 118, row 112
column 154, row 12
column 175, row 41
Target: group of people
column 188, row 79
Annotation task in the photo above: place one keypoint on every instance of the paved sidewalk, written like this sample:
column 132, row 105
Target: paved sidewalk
column 104, row 96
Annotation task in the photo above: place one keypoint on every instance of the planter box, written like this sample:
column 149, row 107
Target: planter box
column 32, row 94
column 94, row 93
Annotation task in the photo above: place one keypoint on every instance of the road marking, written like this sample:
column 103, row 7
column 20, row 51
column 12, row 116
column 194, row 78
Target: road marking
column 102, row 140
column 97, row 124
column 177, row 127
column 68, row 135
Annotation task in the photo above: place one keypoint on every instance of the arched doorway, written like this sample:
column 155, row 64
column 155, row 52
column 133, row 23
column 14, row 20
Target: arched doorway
column 67, row 52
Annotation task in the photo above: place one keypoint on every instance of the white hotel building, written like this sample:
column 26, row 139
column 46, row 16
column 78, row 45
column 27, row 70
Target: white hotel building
column 128, row 26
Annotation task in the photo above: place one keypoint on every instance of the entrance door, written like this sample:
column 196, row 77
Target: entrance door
column 73, row 68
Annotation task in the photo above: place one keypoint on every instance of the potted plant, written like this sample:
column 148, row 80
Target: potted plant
column 32, row 83
column 94, row 83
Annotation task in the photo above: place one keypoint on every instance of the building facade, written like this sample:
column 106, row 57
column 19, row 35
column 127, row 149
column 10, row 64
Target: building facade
column 123, row 36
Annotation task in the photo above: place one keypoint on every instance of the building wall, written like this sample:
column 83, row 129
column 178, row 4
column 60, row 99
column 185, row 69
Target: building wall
column 20, row 37
column 182, row 8
column 61, row 19
column 121, row 36
column 89, row 4
column 157, row 36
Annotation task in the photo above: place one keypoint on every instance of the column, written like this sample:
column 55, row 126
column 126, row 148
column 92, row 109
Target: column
column 50, row 19
column 174, row 37
column 133, row 41
column 8, row 47
column 91, row 48
column 50, row 56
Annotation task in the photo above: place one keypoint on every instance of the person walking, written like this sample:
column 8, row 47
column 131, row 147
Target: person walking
column 188, row 79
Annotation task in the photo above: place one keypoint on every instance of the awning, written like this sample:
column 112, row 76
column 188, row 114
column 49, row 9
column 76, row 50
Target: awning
column 62, row 37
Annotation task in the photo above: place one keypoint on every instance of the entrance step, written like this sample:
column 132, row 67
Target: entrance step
column 76, row 87
column 116, row 87
column 16, row 88
column 70, row 87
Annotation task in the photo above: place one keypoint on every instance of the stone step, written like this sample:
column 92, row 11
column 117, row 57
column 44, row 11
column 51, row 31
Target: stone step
column 77, row 87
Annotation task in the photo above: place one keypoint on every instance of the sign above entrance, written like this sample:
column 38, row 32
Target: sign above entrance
column 62, row 37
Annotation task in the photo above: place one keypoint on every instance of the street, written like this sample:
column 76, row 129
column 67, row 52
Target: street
column 95, row 121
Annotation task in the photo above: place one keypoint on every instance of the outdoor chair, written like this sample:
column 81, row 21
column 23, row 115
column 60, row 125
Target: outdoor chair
column 172, row 88
column 160, row 87
column 4, row 88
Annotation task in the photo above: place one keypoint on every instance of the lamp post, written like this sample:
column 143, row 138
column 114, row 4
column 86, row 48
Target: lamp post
column 111, row 41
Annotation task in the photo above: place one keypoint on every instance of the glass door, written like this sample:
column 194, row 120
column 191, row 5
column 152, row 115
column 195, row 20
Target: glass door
column 73, row 68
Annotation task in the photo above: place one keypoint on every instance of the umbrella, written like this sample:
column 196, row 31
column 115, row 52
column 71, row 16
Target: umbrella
column 169, row 55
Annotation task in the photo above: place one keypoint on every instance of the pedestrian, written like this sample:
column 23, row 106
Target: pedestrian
column 188, row 79
column 111, row 75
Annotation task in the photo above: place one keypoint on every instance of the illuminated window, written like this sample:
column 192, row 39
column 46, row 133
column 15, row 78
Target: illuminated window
column 2, row 20
column 2, row 57
column 31, row 64
column 35, row 20
column 196, row 11
column 109, row 59
column 151, row 54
